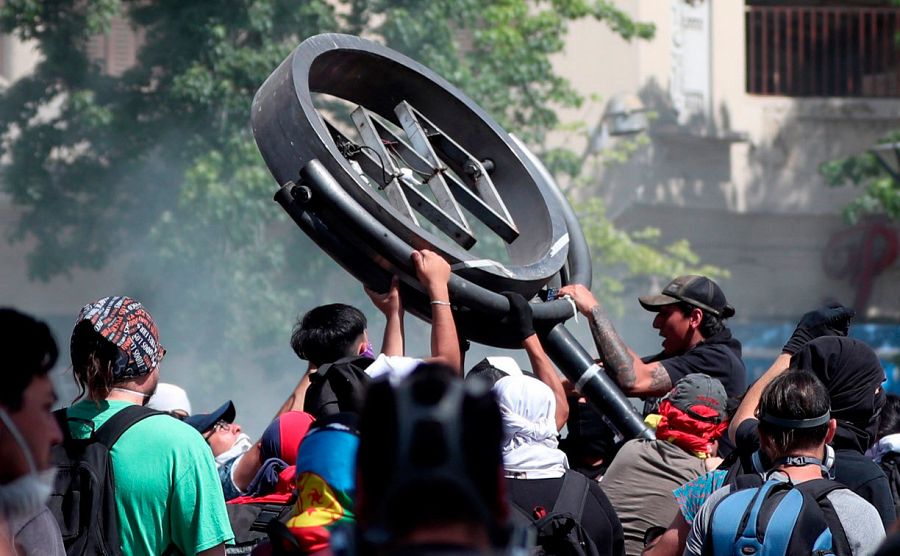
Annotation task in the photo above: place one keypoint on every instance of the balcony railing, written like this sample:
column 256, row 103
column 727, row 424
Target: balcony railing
column 823, row 51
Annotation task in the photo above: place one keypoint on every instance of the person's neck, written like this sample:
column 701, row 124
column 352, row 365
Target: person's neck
column 127, row 394
column 799, row 474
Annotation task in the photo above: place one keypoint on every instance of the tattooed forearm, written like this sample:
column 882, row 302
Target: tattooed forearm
column 612, row 349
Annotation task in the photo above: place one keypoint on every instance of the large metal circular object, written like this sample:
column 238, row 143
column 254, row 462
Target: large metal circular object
column 415, row 164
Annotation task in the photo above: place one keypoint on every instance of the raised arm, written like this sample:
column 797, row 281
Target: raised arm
column 433, row 273
column 391, row 306
column 633, row 376
column 521, row 320
column 832, row 320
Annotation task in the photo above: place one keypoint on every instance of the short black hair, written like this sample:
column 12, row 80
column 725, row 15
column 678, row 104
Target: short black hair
column 396, row 502
column 795, row 395
column 29, row 351
column 483, row 370
column 710, row 325
column 328, row 333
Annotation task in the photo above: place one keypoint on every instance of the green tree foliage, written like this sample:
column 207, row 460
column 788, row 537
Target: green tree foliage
column 880, row 188
column 154, row 173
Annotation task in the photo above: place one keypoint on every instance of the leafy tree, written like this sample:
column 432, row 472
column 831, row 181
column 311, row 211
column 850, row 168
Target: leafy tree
column 880, row 184
column 155, row 174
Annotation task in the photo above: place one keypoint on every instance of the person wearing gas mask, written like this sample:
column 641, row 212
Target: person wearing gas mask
column 27, row 431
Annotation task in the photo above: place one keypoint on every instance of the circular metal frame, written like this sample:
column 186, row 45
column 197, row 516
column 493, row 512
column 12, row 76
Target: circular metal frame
column 291, row 132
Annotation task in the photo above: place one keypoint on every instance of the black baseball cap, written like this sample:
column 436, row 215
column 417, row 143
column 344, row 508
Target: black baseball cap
column 698, row 291
column 204, row 421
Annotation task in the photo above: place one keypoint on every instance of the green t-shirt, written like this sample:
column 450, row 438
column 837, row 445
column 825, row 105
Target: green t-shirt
column 167, row 488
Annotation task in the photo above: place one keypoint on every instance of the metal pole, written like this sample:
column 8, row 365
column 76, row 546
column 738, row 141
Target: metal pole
column 590, row 379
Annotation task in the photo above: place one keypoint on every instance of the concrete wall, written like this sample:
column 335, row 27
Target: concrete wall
column 738, row 176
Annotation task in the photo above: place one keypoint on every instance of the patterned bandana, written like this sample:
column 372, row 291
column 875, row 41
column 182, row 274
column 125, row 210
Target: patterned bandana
column 690, row 434
column 124, row 322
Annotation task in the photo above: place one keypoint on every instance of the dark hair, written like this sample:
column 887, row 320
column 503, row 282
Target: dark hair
column 434, row 484
column 29, row 350
column 328, row 333
column 890, row 416
column 710, row 325
column 483, row 370
column 795, row 394
column 93, row 359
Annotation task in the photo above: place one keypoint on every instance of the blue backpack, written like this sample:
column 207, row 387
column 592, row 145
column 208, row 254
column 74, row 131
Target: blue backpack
column 776, row 518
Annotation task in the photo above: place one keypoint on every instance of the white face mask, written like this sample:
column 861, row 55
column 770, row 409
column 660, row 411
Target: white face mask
column 29, row 493
column 240, row 446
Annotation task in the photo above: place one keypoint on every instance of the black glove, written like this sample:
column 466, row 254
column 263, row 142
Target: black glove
column 519, row 319
column 833, row 320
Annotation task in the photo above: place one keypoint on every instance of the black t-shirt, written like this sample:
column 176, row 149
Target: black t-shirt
column 718, row 356
column 854, row 470
column 599, row 518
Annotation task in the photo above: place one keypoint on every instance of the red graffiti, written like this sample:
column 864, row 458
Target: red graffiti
column 859, row 254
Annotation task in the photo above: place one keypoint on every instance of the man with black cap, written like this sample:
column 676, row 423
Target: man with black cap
column 690, row 314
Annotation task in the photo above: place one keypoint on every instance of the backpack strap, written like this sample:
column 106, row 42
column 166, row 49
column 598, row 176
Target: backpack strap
column 116, row 425
column 735, row 515
column 819, row 490
column 572, row 494
column 360, row 361
column 267, row 513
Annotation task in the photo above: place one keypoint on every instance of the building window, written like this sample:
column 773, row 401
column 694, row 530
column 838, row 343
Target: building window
column 823, row 50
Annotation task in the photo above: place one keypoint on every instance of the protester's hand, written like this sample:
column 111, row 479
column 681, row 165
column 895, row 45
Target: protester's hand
column 832, row 320
column 432, row 271
column 388, row 303
column 583, row 298
column 519, row 319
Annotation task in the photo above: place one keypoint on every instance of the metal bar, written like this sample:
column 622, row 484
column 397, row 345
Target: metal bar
column 372, row 139
column 487, row 205
column 893, row 53
column 861, row 52
column 752, row 83
column 878, row 56
column 826, row 81
column 599, row 389
column 801, row 59
column 776, row 54
column 418, row 138
column 765, row 54
column 789, row 54
column 463, row 195
column 814, row 55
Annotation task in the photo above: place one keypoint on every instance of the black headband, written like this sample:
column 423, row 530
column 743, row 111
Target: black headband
column 795, row 423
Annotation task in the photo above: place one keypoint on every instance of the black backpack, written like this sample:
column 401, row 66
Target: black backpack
column 559, row 531
column 83, row 500
column 783, row 517
column 249, row 522
column 338, row 387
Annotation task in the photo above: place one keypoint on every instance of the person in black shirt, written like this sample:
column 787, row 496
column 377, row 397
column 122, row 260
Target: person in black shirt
column 853, row 376
column 690, row 315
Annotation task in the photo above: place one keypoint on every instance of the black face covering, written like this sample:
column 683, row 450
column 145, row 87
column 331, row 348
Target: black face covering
column 851, row 372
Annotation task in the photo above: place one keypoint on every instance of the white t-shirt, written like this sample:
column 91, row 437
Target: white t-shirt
column 396, row 367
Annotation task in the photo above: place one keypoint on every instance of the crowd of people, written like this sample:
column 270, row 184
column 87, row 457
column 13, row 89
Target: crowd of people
column 374, row 452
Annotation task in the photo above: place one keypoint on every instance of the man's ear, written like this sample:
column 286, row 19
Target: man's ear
column 832, row 428
column 363, row 343
column 696, row 317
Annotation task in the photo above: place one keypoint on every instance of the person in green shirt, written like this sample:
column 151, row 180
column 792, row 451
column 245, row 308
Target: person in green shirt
column 167, row 490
